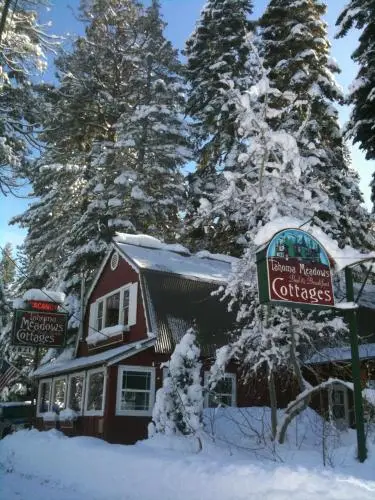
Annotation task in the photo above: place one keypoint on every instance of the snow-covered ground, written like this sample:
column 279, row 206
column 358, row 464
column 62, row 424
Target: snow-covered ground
column 46, row 466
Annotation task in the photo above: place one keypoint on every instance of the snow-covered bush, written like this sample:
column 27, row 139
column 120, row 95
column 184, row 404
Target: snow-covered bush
column 178, row 408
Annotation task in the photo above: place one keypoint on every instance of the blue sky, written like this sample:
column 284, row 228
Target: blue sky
column 181, row 16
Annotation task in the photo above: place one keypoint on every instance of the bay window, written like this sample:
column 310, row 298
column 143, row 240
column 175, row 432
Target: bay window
column 135, row 390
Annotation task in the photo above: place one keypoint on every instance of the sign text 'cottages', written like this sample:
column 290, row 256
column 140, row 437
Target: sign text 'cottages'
column 294, row 269
column 38, row 328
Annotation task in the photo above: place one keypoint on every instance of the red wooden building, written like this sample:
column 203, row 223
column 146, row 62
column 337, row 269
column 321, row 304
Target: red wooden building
column 144, row 298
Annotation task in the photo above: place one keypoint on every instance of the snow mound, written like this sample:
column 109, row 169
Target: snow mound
column 144, row 240
column 44, row 295
column 84, row 467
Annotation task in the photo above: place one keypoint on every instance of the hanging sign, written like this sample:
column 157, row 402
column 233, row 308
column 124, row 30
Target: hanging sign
column 294, row 270
column 39, row 329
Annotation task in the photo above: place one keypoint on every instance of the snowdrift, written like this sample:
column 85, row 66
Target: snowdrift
column 93, row 469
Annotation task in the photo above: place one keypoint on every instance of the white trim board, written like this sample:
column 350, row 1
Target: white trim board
column 108, row 357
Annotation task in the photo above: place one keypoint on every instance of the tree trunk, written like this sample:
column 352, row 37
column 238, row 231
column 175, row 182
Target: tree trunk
column 273, row 403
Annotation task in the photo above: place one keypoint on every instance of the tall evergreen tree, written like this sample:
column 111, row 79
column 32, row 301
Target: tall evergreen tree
column 218, row 61
column 296, row 53
column 361, row 127
column 7, row 265
column 22, row 55
column 273, row 186
column 359, row 14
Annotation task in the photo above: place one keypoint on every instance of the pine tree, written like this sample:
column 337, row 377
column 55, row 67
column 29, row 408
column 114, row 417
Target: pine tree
column 218, row 61
column 115, row 143
column 22, row 55
column 7, row 265
column 269, row 187
column 179, row 403
column 296, row 53
column 361, row 15
column 153, row 138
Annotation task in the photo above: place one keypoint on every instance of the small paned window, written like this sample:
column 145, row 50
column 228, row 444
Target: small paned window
column 95, row 391
column 99, row 319
column 58, row 394
column 76, row 392
column 136, row 390
column 112, row 310
column 224, row 394
column 44, row 396
column 125, row 306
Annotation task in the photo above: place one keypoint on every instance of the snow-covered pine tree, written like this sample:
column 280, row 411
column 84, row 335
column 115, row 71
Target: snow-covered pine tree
column 115, row 142
column 269, row 187
column 361, row 127
column 22, row 55
column 21, row 386
column 296, row 51
column 217, row 62
column 152, row 140
column 178, row 409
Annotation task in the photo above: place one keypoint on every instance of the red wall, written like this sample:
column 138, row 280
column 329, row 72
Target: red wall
column 111, row 280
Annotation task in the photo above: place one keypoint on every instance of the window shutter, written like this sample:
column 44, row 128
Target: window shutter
column 92, row 319
column 133, row 304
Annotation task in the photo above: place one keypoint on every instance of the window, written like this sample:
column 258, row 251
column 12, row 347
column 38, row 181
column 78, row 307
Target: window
column 99, row 319
column 58, row 394
column 75, row 398
column 44, row 397
column 116, row 308
column 135, row 390
column 338, row 401
column 224, row 394
column 125, row 307
column 112, row 310
column 95, row 392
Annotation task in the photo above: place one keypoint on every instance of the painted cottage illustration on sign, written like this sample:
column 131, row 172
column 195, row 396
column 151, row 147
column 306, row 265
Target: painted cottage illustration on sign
column 295, row 246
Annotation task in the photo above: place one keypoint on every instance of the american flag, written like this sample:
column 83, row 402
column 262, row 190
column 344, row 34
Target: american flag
column 7, row 373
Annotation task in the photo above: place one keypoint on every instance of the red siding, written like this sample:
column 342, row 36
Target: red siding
column 111, row 280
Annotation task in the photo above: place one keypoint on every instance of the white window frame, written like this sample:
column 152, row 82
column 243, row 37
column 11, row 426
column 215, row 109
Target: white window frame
column 43, row 381
column 133, row 299
column 54, row 380
column 132, row 368
column 100, row 412
column 77, row 374
column 230, row 375
column 344, row 390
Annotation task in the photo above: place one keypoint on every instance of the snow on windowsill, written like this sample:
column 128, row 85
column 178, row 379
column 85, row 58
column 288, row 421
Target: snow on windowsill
column 346, row 305
column 68, row 414
column 110, row 331
column 50, row 416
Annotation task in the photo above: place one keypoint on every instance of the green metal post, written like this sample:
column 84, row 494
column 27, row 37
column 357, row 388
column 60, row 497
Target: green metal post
column 356, row 370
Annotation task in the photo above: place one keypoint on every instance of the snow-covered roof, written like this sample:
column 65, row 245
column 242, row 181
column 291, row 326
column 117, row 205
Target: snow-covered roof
column 330, row 354
column 107, row 357
column 149, row 253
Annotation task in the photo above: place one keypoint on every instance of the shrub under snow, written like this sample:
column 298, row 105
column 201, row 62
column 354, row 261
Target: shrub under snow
column 179, row 403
